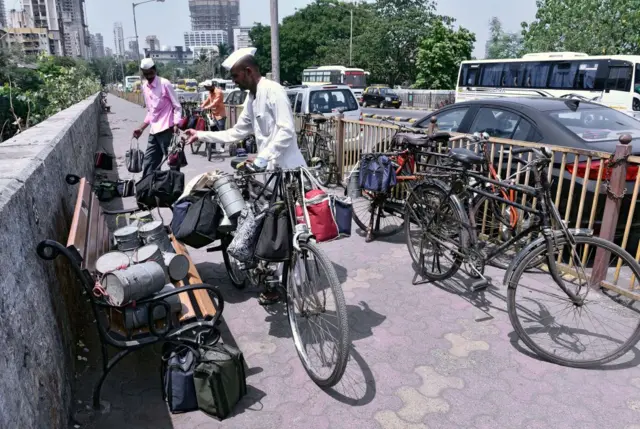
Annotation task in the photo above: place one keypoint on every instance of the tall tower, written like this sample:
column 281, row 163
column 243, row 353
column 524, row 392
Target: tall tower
column 215, row 15
column 118, row 38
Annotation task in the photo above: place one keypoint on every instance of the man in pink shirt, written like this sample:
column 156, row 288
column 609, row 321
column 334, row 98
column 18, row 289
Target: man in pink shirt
column 163, row 115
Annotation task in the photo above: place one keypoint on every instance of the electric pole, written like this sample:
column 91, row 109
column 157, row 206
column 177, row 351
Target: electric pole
column 275, row 42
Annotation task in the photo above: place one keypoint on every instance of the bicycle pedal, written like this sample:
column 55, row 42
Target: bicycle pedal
column 480, row 284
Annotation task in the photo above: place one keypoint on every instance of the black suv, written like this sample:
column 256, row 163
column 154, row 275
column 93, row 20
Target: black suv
column 376, row 96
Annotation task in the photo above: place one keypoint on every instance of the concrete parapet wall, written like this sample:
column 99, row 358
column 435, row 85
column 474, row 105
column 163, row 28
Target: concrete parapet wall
column 40, row 303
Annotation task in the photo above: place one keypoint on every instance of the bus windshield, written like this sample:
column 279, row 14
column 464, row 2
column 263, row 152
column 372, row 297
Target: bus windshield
column 355, row 79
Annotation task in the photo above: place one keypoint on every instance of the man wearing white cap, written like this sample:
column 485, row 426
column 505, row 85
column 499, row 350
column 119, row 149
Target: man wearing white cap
column 266, row 114
column 163, row 114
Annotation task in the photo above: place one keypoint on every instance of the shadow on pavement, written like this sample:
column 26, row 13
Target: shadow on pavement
column 358, row 385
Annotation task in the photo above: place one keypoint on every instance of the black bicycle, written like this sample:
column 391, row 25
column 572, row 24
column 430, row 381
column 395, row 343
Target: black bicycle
column 315, row 302
column 578, row 317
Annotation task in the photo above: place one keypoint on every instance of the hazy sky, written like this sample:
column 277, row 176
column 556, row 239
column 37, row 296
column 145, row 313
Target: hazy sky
column 169, row 20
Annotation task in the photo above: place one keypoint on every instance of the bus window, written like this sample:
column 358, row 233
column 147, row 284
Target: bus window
column 619, row 78
column 563, row 75
column 536, row 75
column 513, row 75
column 491, row 75
column 469, row 75
column 636, row 85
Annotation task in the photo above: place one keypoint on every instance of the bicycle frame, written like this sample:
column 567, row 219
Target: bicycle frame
column 544, row 215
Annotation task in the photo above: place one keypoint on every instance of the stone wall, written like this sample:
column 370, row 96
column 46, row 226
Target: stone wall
column 40, row 301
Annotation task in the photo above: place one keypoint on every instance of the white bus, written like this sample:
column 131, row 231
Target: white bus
column 612, row 80
column 336, row 75
column 129, row 81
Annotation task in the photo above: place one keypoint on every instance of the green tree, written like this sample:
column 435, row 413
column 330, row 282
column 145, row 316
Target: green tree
column 595, row 27
column 440, row 55
column 502, row 44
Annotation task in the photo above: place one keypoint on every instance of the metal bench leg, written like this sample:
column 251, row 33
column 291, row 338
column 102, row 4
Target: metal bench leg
column 113, row 362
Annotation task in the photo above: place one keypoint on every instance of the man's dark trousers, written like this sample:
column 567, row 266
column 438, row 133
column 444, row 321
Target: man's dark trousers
column 157, row 150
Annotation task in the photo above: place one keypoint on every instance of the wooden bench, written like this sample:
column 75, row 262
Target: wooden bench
column 89, row 238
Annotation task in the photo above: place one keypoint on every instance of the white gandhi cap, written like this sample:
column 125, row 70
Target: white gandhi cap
column 146, row 63
column 237, row 56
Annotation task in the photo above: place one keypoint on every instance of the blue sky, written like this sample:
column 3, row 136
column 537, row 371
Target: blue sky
column 169, row 20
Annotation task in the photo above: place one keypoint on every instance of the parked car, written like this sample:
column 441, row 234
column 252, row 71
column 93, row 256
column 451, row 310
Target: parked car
column 380, row 97
column 329, row 101
column 236, row 97
column 561, row 122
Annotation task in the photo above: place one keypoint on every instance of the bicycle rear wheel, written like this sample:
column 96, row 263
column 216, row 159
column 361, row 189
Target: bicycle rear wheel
column 318, row 315
column 387, row 210
column 601, row 327
column 434, row 227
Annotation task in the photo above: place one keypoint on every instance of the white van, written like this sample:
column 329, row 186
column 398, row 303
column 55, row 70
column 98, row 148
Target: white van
column 326, row 100
column 329, row 101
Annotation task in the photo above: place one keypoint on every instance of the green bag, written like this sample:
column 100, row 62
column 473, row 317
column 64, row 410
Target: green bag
column 220, row 380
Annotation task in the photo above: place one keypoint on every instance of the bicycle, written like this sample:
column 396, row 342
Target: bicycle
column 579, row 276
column 307, row 303
column 318, row 148
column 381, row 215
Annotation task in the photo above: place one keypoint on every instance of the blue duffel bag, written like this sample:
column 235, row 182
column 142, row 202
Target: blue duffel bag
column 377, row 173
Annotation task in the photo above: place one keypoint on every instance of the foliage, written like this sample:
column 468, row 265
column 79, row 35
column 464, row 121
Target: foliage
column 31, row 93
column 502, row 44
column 386, row 38
column 440, row 55
column 595, row 27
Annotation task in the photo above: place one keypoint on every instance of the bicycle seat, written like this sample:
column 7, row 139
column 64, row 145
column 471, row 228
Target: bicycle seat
column 411, row 139
column 441, row 137
column 318, row 119
column 465, row 156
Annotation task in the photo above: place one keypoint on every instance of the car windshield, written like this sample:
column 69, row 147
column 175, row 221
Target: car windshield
column 597, row 125
column 330, row 101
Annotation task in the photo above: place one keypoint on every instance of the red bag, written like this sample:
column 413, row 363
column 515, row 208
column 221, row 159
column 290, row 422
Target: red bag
column 322, row 223
column 201, row 125
column 182, row 124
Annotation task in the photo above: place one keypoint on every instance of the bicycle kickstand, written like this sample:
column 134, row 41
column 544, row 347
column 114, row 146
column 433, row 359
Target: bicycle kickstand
column 420, row 269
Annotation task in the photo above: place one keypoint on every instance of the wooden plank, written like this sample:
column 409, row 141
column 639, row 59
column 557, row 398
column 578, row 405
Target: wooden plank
column 92, row 250
column 203, row 300
column 78, row 232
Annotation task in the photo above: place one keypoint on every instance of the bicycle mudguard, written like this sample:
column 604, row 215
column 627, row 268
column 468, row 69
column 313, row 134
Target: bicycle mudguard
column 517, row 260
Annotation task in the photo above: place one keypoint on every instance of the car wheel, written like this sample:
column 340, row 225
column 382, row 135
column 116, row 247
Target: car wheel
column 364, row 104
column 397, row 107
column 381, row 106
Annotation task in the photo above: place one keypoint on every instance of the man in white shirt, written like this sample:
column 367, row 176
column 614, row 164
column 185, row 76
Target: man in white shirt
column 267, row 114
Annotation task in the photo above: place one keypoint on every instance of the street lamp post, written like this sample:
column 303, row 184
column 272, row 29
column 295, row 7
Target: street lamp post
column 135, row 24
column 351, row 40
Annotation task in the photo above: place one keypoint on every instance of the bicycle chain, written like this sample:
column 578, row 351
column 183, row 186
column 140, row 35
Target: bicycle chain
column 610, row 165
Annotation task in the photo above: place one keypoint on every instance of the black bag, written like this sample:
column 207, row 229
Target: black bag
column 103, row 161
column 220, row 380
column 161, row 188
column 133, row 158
column 201, row 222
column 106, row 190
column 178, row 389
column 126, row 188
column 179, row 213
column 274, row 243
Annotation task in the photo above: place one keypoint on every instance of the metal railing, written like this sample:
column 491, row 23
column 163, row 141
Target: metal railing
column 425, row 99
column 593, row 190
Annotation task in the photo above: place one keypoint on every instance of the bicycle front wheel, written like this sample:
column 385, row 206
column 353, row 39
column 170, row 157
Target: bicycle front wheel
column 318, row 315
column 384, row 212
column 600, row 325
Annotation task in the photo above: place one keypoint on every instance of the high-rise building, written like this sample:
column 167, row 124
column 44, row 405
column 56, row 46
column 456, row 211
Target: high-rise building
column 215, row 15
column 3, row 15
column 99, row 45
column 21, row 33
column 241, row 38
column 74, row 27
column 153, row 43
column 118, row 38
column 108, row 52
column 205, row 38
column 47, row 14
column 133, row 47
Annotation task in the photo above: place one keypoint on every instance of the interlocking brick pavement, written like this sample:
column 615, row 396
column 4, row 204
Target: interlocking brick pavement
column 427, row 356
